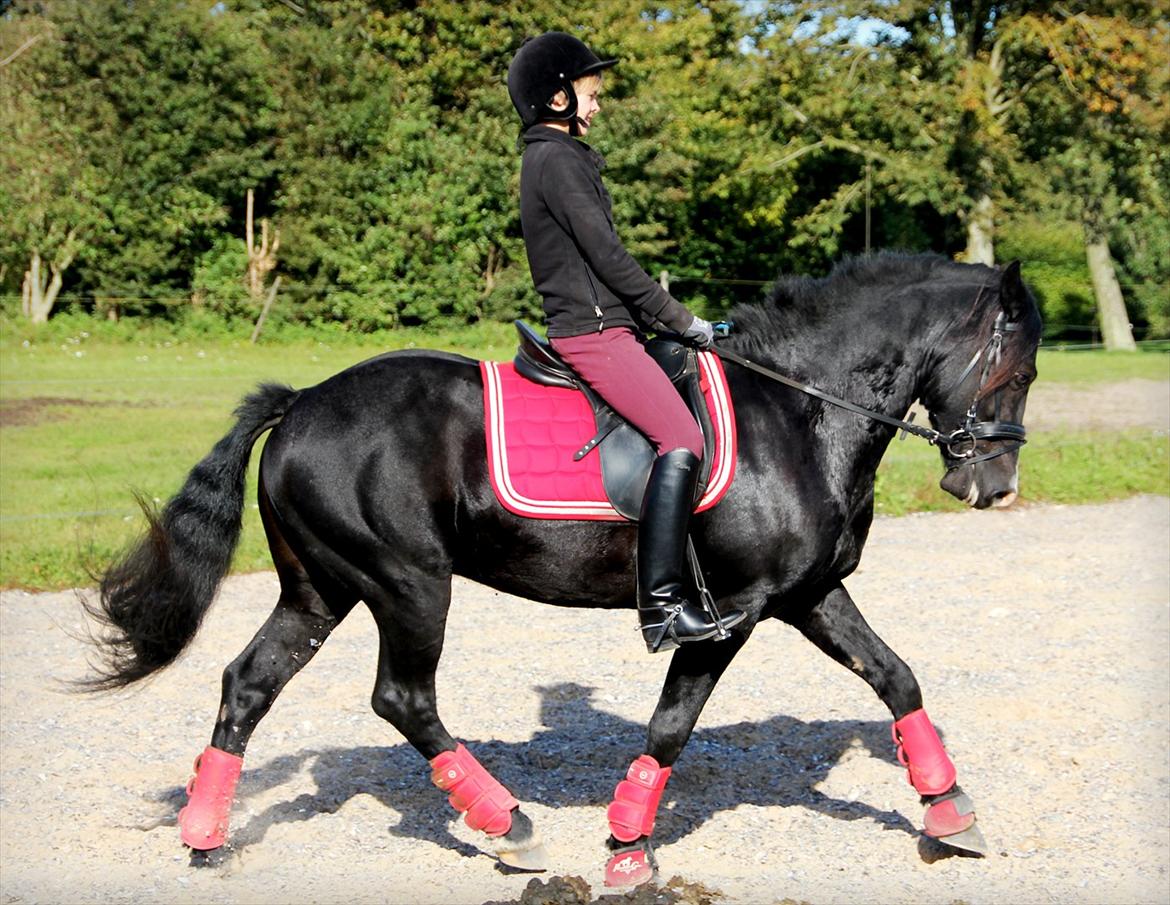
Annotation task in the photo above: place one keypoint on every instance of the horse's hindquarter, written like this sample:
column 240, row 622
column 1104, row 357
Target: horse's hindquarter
column 372, row 461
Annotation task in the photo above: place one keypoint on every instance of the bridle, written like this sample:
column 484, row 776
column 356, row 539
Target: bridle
column 960, row 446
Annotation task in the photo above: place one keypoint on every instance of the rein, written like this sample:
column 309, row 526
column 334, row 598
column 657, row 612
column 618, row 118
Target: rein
column 960, row 444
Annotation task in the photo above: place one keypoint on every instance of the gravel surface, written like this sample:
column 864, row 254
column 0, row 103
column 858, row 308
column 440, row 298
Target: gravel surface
column 1039, row 635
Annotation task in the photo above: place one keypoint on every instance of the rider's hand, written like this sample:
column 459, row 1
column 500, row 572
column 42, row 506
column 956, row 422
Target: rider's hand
column 701, row 333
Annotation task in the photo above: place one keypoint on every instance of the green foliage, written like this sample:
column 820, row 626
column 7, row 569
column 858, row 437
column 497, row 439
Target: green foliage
column 741, row 140
column 218, row 285
column 49, row 188
column 1053, row 253
column 178, row 117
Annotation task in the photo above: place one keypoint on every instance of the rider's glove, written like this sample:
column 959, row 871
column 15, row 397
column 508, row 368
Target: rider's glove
column 701, row 333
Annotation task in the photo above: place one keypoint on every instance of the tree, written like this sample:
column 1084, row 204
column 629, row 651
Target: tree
column 1101, row 127
column 47, row 187
column 177, row 113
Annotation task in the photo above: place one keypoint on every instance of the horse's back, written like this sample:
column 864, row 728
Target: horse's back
column 393, row 388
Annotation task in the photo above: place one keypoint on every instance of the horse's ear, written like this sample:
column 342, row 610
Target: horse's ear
column 1012, row 294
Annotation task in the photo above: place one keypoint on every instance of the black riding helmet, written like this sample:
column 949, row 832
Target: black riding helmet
column 545, row 65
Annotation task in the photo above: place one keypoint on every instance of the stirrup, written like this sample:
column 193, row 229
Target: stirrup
column 667, row 638
column 722, row 623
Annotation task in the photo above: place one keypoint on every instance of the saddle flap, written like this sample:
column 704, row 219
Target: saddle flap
column 675, row 359
column 536, row 360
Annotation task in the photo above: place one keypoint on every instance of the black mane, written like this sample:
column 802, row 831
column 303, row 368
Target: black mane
column 794, row 303
column 886, row 268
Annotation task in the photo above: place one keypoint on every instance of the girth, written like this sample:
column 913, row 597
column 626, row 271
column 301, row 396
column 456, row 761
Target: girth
column 626, row 454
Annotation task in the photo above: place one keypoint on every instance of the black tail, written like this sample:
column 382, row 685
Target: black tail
column 153, row 599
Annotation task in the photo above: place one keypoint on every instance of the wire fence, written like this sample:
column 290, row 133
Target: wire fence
column 1057, row 336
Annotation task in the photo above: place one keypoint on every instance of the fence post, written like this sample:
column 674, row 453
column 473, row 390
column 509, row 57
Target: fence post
column 264, row 311
column 664, row 280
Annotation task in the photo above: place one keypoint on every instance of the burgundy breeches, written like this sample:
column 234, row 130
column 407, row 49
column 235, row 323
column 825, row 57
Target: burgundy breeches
column 614, row 364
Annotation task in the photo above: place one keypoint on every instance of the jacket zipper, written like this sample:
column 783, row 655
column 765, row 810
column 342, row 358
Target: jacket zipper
column 596, row 305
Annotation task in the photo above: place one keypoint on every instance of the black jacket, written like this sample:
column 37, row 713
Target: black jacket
column 586, row 277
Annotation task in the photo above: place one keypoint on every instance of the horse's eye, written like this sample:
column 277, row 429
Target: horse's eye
column 1021, row 380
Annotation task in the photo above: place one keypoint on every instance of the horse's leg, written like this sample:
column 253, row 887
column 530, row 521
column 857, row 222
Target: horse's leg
column 836, row 626
column 292, row 634
column 694, row 671
column 411, row 624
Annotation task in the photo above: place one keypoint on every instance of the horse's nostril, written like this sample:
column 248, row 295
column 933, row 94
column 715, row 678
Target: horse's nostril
column 1003, row 499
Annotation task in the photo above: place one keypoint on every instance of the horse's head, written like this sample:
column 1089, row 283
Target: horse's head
column 976, row 394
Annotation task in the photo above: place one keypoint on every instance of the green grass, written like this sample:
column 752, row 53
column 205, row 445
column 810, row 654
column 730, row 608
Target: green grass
column 88, row 420
column 1096, row 366
column 1055, row 467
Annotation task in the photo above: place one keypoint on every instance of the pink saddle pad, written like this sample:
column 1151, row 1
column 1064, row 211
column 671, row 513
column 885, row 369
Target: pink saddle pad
column 533, row 431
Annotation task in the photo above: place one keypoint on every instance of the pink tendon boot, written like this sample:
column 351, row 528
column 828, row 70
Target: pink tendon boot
column 472, row 791
column 631, row 821
column 949, row 812
column 203, row 823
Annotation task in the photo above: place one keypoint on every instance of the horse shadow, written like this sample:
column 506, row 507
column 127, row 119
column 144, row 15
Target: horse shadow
column 575, row 760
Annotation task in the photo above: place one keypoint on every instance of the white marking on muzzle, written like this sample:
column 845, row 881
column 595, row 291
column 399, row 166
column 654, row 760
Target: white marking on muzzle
column 973, row 494
column 1012, row 495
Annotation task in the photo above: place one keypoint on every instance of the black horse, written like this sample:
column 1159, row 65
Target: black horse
column 374, row 487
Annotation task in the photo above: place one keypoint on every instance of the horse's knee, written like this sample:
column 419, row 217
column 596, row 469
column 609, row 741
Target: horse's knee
column 398, row 706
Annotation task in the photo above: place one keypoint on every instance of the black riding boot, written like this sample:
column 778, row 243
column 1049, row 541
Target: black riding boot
column 668, row 618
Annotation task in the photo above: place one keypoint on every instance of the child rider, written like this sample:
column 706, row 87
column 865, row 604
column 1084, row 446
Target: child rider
column 596, row 296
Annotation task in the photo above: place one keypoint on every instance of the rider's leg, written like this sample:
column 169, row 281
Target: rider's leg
column 618, row 368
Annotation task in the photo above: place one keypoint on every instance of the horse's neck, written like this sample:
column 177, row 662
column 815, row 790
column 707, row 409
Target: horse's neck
column 867, row 360
column 873, row 361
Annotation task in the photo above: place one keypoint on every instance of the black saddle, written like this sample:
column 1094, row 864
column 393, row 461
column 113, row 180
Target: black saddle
column 626, row 454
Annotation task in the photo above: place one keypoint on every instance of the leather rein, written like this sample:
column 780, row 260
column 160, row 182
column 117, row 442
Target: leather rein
column 960, row 445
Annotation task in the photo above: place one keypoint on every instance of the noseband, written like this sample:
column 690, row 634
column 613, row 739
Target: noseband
column 960, row 446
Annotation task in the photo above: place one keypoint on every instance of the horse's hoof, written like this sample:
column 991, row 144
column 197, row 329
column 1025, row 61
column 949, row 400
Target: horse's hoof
column 520, row 848
column 631, row 865
column 950, row 819
column 208, row 857
column 968, row 840
column 529, row 860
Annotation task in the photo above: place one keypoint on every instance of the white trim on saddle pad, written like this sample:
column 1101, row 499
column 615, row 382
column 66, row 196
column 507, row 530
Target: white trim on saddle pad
column 505, row 483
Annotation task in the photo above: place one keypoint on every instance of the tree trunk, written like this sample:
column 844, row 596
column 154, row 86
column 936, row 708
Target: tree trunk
column 39, row 291
column 981, row 233
column 1116, row 329
column 262, row 257
column 38, row 294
